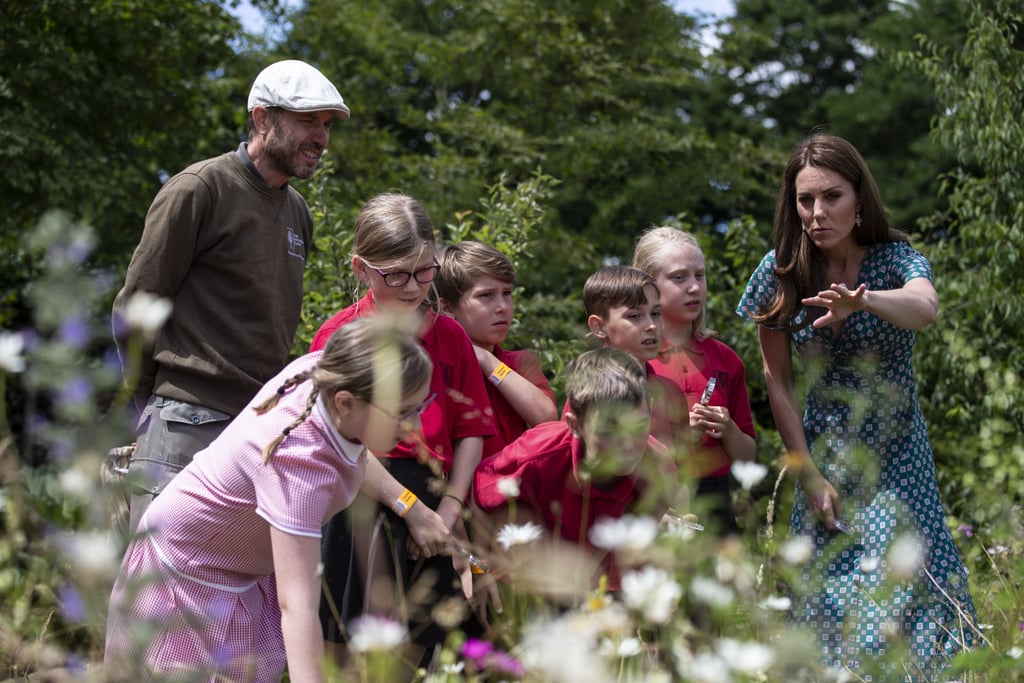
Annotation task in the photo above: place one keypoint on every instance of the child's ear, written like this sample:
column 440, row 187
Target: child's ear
column 360, row 269
column 597, row 326
column 445, row 308
column 344, row 402
column 573, row 423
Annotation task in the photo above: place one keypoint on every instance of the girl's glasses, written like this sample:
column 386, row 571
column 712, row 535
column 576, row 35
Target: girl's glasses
column 410, row 414
column 399, row 278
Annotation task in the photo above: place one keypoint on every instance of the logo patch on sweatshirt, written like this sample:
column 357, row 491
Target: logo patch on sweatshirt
column 296, row 245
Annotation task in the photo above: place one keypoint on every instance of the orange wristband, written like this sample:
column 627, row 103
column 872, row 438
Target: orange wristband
column 404, row 502
column 499, row 374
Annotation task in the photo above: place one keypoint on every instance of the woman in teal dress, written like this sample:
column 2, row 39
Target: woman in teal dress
column 885, row 593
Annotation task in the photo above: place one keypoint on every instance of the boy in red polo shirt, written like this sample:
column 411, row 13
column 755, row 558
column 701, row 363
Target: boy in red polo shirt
column 623, row 307
column 599, row 461
column 474, row 285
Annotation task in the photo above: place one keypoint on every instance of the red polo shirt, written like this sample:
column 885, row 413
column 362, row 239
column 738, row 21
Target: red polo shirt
column 546, row 460
column 508, row 423
column 461, row 408
column 689, row 367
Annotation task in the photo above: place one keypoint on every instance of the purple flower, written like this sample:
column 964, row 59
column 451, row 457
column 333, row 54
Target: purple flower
column 477, row 650
column 504, row 663
column 967, row 529
column 72, row 607
column 77, row 390
column 74, row 332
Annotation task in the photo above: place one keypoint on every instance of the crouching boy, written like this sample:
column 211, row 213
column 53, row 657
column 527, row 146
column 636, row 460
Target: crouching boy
column 600, row 461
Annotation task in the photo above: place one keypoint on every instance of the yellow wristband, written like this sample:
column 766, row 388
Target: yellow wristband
column 499, row 374
column 404, row 502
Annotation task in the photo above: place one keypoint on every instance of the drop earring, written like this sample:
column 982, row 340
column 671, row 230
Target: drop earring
column 857, row 220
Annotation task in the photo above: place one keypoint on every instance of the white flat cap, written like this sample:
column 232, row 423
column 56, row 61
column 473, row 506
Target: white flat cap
column 294, row 85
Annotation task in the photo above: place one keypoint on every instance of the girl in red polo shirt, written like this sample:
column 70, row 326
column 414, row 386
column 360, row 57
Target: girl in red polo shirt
column 690, row 356
column 367, row 567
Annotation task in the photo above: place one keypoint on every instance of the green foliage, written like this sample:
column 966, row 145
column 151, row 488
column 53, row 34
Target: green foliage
column 56, row 550
column 971, row 369
column 447, row 97
column 787, row 68
column 511, row 219
column 98, row 100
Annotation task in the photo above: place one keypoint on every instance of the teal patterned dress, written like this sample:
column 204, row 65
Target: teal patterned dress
column 867, row 436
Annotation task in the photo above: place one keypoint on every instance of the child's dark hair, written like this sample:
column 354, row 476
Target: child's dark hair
column 463, row 263
column 615, row 286
column 604, row 376
column 367, row 357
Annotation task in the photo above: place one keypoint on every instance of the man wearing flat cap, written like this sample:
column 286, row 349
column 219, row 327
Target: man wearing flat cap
column 226, row 241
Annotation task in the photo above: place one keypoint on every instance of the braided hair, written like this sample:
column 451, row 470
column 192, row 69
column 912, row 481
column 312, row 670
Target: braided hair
column 369, row 357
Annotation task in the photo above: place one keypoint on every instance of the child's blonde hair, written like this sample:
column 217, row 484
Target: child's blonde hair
column 463, row 263
column 604, row 376
column 648, row 257
column 366, row 357
column 391, row 227
column 615, row 286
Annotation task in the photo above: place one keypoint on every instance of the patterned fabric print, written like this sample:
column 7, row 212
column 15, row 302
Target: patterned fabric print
column 868, row 438
column 212, row 635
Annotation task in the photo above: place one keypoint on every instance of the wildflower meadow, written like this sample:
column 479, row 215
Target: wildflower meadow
column 692, row 607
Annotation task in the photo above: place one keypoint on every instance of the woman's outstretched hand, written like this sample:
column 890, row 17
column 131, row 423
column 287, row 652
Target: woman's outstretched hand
column 840, row 301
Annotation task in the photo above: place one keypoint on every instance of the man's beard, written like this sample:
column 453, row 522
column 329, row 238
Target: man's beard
column 281, row 152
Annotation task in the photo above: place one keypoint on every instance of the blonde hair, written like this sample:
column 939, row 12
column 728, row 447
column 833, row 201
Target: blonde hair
column 602, row 376
column 390, row 227
column 648, row 256
column 365, row 357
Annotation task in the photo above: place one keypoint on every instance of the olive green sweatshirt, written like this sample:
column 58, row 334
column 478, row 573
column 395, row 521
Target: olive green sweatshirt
column 229, row 251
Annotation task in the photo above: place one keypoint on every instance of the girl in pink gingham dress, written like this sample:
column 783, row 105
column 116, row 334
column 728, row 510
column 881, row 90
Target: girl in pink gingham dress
column 221, row 581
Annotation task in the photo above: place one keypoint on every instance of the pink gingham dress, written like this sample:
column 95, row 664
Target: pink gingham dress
column 196, row 596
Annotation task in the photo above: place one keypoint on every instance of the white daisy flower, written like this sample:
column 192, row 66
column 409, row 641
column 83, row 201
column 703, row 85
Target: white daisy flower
column 92, row 553
column 652, row 592
column 748, row 474
column 706, row 667
column 796, row 551
column 146, row 313
column 558, row 652
column 746, row 657
column 711, row 592
column 868, row 564
column 622, row 649
column 373, row 633
column 776, row 603
column 905, row 556
column 519, row 534
column 12, row 345
column 509, row 487
column 76, row 483
column 628, row 533
column 610, row 619
column 1014, row 652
